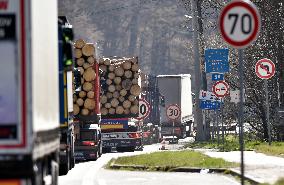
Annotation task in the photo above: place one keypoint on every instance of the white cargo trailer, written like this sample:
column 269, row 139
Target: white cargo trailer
column 29, row 104
column 176, row 89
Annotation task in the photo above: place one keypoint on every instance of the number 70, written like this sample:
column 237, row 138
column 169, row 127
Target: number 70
column 246, row 22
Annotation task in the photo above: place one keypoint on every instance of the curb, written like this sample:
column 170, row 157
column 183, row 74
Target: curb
column 232, row 172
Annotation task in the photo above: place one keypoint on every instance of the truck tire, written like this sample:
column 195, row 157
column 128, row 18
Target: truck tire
column 37, row 178
column 72, row 160
column 54, row 172
column 65, row 167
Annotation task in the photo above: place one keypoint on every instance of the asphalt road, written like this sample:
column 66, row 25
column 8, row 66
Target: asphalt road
column 92, row 173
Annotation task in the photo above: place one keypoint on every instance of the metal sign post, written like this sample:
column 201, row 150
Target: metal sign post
column 241, row 114
column 267, row 111
column 173, row 131
column 265, row 69
column 239, row 25
column 222, row 123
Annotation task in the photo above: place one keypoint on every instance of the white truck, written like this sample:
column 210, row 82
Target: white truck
column 175, row 89
column 29, row 102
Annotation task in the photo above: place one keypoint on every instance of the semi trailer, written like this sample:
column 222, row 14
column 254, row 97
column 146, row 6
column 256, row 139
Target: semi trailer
column 29, row 100
column 175, row 89
column 66, row 81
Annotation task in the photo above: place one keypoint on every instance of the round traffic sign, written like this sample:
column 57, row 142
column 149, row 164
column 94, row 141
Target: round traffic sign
column 265, row 68
column 173, row 112
column 144, row 109
column 220, row 89
column 239, row 23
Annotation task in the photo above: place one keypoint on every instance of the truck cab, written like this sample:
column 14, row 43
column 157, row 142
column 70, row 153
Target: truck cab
column 88, row 142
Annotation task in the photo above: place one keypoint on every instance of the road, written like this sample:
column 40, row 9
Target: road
column 92, row 173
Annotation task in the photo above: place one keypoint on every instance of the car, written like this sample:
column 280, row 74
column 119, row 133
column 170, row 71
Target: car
column 171, row 139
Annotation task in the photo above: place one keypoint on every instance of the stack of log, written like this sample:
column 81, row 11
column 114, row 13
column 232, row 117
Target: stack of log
column 84, row 100
column 120, row 89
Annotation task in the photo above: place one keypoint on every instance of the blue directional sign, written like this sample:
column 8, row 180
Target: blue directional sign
column 210, row 105
column 217, row 77
column 217, row 60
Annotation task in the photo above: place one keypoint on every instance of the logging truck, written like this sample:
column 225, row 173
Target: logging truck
column 29, row 100
column 120, row 90
column 175, row 89
column 86, row 103
column 66, row 67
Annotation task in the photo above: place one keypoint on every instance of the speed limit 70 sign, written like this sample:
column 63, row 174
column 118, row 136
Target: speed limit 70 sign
column 239, row 23
column 173, row 112
column 144, row 109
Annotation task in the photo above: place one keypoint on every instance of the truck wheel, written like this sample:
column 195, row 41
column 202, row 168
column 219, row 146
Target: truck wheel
column 97, row 155
column 65, row 167
column 72, row 160
column 37, row 178
column 54, row 172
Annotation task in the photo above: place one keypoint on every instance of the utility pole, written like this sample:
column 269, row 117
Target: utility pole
column 198, row 117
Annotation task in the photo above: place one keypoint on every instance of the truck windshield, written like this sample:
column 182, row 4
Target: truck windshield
column 89, row 135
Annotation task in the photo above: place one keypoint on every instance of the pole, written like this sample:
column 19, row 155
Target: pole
column 173, row 131
column 218, row 129
column 267, row 112
column 198, row 119
column 222, row 123
column 241, row 134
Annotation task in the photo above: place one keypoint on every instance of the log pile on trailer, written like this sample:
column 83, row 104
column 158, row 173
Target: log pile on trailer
column 120, row 88
column 84, row 100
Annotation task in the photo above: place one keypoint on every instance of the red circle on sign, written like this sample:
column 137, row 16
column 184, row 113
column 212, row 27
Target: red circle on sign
column 259, row 65
column 175, row 106
column 253, row 10
column 220, row 95
column 148, row 109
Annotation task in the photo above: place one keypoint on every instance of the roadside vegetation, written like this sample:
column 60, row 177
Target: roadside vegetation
column 169, row 160
column 232, row 144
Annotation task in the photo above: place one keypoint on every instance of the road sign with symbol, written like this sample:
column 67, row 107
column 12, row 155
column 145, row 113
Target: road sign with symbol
column 144, row 109
column 265, row 68
column 239, row 23
column 173, row 112
column 220, row 89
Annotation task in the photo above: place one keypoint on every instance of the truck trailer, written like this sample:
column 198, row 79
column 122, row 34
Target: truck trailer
column 29, row 100
column 120, row 91
column 86, row 104
column 66, row 81
column 175, row 89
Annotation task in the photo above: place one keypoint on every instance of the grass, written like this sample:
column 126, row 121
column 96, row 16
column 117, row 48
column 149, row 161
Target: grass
column 232, row 144
column 175, row 159
column 276, row 148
